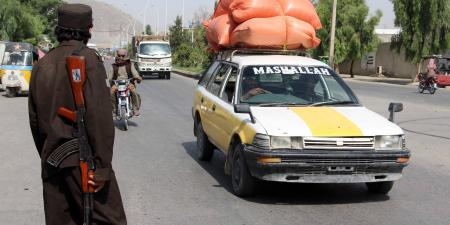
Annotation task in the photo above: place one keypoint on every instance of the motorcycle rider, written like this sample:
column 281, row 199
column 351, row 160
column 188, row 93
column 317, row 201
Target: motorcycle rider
column 431, row 72
column 122, row 70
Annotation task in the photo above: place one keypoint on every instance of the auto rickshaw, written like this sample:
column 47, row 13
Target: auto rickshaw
column 16, row 65
column 442, row 70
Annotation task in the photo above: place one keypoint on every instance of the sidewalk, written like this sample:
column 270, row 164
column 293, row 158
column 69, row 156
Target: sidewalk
column 382, row 79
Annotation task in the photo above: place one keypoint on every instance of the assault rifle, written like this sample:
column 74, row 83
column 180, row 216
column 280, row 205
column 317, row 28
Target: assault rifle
column 76, row 68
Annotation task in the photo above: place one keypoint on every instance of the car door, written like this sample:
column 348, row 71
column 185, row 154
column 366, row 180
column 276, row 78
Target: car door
column 224, row 123
column 210, row 103
column 199, row 95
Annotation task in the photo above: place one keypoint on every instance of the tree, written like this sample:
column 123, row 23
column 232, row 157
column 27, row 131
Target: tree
column 355, row 35
column 27, row 20
column 424, row 28
column 148, row 30
column 176, row 35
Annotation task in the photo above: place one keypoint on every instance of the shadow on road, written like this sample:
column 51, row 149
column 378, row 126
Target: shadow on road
column 288, row 193
column 118, row 124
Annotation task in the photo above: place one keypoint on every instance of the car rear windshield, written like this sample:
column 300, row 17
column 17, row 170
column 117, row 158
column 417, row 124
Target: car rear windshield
column 294, row 85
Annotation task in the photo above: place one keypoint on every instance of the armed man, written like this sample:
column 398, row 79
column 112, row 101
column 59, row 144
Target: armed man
column 70, row 119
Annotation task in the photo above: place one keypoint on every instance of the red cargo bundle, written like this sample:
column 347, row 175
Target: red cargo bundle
column 279, row 24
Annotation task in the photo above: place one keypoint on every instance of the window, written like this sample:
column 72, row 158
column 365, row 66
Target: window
column 230, row 86
column 207, row 75
column 297, row 85
column 218, row 78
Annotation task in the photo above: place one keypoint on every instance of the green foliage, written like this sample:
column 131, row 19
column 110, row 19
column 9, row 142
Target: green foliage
column 425, row 27
column 189, row 46
column 176, row 35
column 355, row 35
column 194, row 54
column 27, row 20
column 148, row 30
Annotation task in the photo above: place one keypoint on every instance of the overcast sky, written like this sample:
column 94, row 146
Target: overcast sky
column 157, row 9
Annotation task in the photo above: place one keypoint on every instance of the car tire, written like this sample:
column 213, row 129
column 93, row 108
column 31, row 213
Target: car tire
column 168, row 75
column 11, row 92
column 380, row 187
column 205, row 149
column 242, row 181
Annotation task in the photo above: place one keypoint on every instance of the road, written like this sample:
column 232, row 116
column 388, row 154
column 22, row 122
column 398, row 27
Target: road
column 162, row 182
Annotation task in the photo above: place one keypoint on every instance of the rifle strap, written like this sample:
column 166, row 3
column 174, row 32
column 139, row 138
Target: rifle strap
column 62, row 152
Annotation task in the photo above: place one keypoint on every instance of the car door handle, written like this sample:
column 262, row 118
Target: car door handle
column 214, row 108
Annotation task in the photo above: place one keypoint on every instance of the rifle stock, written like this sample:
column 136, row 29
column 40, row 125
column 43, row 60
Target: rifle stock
column 76, row 70
column 76, row 66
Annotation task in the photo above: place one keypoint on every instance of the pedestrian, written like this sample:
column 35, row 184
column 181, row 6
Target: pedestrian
column 50, row 89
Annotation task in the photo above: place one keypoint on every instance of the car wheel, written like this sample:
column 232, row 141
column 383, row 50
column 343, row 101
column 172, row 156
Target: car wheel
column 380, row 187
column 168, row 75
column 11, row 92
column 205, row 148
column 242, row 181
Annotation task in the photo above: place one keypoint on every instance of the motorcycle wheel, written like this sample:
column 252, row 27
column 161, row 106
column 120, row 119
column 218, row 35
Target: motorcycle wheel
column 124, row 118
column 432, row 90
column 125, row 123
column 421, row 88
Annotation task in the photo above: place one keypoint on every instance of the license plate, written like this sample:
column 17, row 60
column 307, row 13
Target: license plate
column 341, row 169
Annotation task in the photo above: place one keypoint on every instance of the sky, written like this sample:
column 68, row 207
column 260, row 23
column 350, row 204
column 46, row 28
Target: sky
column 155, row 12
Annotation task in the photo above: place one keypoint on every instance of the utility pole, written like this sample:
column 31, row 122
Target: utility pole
column 333, row 32
column 182, row 18
column 165, row 23
column 145, row 15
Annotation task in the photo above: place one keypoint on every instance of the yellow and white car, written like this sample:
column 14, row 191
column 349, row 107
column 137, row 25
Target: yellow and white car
column 290, row 118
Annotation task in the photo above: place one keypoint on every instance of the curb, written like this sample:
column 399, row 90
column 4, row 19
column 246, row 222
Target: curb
column 187, row 74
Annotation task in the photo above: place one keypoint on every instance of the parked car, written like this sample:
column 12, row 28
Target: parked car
column 289, row 118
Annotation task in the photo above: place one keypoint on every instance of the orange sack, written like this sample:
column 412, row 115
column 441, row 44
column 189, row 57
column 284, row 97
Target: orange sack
column 302, row 10
column 218, row 30
column 300, row 34
column 244, row 10
column 281, row 32
column 223, row 7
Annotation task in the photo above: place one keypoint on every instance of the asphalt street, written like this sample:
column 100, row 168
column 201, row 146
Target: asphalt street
column 162, row 182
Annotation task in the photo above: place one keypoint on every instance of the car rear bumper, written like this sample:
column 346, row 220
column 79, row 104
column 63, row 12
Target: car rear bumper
column 322, row 166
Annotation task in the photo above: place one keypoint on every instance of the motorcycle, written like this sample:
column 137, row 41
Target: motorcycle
column 124, row 108
column 427, row 83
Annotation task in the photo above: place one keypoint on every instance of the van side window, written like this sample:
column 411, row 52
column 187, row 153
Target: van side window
column 230, row 86
column 218, row 78
column 208, row 73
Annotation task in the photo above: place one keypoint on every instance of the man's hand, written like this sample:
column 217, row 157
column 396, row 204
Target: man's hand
column 113, row 89
column 98, row 185
column 257, row 91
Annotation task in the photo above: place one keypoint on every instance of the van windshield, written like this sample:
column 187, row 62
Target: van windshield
column 17, row 54
column 293, row 85
column 154, row 49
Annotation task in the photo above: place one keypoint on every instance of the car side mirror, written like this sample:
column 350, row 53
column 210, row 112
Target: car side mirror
column 393, row 108
column 244, row 108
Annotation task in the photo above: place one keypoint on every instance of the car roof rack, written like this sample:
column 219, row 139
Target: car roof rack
column 231, row 52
